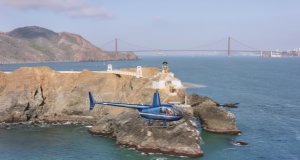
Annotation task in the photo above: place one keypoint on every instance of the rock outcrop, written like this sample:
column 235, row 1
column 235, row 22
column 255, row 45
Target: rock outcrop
column 129, row 129
column 41, row 94
column 211, row 116
column 36, row 44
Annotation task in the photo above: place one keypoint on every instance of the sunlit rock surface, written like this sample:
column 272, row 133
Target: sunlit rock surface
column 212, row 117
column 40, row 94
column 181, row 138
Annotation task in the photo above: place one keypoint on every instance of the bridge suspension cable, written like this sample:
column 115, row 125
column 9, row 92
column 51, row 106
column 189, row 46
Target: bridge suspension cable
column 202, row 48
column 244, row 44
column 209, row 44
column 138, row 47
column 106, row 43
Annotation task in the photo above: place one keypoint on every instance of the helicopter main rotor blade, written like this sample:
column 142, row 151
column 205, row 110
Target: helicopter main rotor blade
column 193, row 85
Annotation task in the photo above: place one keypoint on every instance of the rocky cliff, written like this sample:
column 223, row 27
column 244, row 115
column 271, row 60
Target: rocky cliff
column 41, row 94
column 212, row 117
column 36, row 44
column 129, row 129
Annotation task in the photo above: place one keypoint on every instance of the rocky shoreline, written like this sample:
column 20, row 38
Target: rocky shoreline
column 42, row 95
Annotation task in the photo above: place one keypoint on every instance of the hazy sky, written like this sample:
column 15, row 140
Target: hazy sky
column 163, row 24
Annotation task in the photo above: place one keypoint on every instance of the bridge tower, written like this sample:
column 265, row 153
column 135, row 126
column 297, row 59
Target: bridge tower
column 116, row 45
column 228, row 49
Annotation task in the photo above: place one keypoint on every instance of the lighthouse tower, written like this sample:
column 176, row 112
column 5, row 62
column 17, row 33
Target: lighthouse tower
column 165, row 67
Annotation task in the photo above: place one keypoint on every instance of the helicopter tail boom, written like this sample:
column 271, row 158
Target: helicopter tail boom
column 93, row 102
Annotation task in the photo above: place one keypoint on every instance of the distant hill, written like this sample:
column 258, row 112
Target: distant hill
column 37, row 44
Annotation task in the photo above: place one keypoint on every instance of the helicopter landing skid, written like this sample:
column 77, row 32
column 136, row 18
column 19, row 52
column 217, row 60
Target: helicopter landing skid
column 160, row 126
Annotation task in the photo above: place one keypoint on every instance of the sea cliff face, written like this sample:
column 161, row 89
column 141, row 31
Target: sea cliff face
column 44, row 94
column 212, row 117
column 37, row 44
column 40, row 94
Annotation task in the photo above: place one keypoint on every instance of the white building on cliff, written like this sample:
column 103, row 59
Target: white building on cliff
column 166, row 80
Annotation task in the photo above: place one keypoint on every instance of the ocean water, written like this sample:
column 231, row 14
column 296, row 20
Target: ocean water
column 268, row 90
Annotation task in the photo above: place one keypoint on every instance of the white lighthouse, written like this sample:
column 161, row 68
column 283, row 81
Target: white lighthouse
column 165, row 67
column 166, row 80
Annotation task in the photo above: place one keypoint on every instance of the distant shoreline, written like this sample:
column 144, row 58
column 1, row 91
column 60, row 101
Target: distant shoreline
column 41, row 62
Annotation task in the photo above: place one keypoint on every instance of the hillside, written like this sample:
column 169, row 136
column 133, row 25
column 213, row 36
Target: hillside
column 36, row 44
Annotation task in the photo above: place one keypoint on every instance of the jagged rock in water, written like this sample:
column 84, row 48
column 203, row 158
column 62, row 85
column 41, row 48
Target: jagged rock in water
column 213, row 118
column 230, row 105
column 241, row 143
column 129, row 129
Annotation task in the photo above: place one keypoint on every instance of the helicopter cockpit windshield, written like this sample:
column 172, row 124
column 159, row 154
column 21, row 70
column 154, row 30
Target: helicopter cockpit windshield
column 163, row 109
column 169, row 111
column 177, row 112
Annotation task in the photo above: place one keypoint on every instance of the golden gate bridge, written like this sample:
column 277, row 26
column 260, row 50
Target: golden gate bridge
column 228, row 49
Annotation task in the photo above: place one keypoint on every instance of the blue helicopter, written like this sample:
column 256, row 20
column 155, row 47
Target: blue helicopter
column 156, row 111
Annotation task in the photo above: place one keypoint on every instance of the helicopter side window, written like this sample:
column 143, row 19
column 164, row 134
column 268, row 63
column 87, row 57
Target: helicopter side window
column 163, row 110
